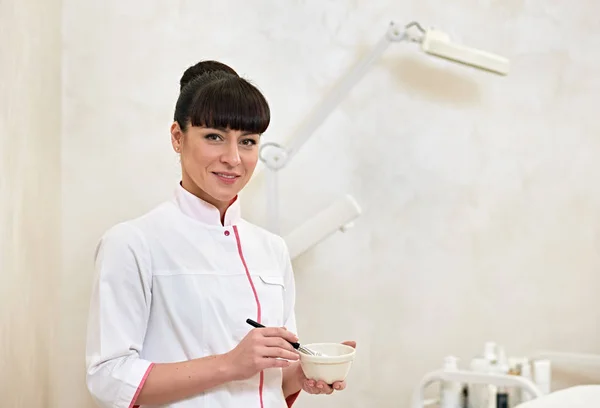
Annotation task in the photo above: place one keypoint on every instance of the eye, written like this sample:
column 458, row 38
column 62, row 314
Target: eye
column 249, row 142
column 213, row 137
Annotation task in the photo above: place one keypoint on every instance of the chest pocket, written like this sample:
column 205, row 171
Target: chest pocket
column 271, row 294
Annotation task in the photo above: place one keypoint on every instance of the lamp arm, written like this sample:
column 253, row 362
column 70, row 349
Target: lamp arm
column 275, row 156
column 433, row 42
column 338, row 93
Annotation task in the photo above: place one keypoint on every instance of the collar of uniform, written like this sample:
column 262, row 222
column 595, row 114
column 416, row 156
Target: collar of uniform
column 204, row 212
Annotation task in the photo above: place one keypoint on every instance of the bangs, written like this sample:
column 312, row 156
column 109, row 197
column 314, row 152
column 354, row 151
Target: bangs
column 230, row 103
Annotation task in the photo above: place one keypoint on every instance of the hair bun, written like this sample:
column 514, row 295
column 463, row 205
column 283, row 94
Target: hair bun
column 204, row 67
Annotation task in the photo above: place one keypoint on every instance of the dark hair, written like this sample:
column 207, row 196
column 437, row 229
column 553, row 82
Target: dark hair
column 201, row 68
column 213, row 95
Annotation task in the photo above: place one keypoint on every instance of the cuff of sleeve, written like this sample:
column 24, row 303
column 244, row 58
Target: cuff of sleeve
column 291, row 399
column 132, row 385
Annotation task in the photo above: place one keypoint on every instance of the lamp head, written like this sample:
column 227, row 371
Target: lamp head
column 438, row 44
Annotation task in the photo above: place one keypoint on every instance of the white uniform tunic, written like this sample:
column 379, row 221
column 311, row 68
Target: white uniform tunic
column 175, row 284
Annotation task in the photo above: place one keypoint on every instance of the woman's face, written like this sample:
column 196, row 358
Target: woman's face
column 216, row 163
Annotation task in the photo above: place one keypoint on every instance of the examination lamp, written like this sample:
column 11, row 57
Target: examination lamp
column 340, row 215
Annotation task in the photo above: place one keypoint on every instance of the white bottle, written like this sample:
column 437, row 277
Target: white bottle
column 489, row 352
column 525, row 373
column 500, row 367
column 501, row 363
column 478, row 392
column 542, row 375
column 451, row 391
column 491, row 355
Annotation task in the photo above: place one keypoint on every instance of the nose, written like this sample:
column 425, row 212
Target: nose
column 231, row 154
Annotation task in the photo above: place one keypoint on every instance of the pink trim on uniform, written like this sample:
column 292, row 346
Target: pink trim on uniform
column 258, row 313
column 139, row 389
column 291, row 399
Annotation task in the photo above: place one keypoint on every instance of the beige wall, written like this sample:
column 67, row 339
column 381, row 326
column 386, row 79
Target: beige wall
column 30, row 214
column 480, row 193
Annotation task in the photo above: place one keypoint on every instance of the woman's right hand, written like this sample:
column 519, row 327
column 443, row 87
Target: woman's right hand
column 262, row 348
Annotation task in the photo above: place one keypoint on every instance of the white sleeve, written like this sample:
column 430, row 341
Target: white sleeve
column 289, row 303
column 118, row 316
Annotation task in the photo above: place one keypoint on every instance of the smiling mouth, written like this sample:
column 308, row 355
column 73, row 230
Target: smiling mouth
column 227, row 176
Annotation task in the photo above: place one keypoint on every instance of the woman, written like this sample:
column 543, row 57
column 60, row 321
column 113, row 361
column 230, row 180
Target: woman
column 174, row 287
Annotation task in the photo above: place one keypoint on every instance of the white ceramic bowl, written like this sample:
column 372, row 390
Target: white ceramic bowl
column 333, row 366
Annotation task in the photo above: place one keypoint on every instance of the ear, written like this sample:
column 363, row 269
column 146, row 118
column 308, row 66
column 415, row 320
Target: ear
column 176, row 137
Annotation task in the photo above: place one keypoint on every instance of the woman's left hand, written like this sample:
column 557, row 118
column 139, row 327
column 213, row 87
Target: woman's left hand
column 320, row 387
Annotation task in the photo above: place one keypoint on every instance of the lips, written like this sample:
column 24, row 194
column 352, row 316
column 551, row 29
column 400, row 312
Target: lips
column 227, row 178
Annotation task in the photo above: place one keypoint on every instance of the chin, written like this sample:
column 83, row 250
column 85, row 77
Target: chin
column 224, row 196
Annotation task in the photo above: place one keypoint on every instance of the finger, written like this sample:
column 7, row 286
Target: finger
column 278, row 352
column 279, row 332
column 274, row 363
column 339, row 385
column 324, row 387
column 279, row 342
column 310, row 386
column 350, row 343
